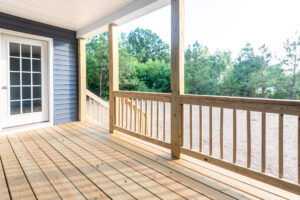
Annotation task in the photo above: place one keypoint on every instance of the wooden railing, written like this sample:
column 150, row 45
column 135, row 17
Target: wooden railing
column 147, row 117
column 143, row 115
column 240, row 113
column 97, row 109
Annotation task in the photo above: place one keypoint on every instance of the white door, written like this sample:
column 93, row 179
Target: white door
column 23, row 81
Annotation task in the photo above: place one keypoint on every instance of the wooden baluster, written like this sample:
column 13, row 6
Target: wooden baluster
column 90, row 105
column 94, row 110
column 191, row 126
column 248, row 139
column 280, row 148
column 151, row 124
column 298, row 149
column 221, row 133
column 200, row 129
column 98, row 106
column 135, row 117
column 146, row 117
column 126, row 113
column 164, row 123
column 131, row 109
column 234, row 136
column 119, row 111
column 182, row 124
column 122, row 113
column 107, row 117
column 157, row 124
column 138, row 115
column 141, row 117
column 210, row 132
column 263, row 142
column 102, row 112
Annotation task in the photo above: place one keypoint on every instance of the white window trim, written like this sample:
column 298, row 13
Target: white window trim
column 50, row 86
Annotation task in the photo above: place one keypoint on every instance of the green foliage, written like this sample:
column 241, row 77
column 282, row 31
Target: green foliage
column 155, row 74
column 144, row 62
column 204, row 71
column 145, row 45
column 292, row 60
column 97, row 65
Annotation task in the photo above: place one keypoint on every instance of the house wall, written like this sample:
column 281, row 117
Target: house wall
column 65, row 66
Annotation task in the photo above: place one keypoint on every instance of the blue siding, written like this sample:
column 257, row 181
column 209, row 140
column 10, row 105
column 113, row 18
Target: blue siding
column 65, row 71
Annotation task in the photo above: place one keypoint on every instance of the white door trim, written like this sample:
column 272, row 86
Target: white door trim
column 50, row 71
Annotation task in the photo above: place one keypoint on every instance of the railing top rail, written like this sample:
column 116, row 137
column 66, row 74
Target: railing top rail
column 253, row 104
column 164, row 97
column 244, row 99
column 96, row 98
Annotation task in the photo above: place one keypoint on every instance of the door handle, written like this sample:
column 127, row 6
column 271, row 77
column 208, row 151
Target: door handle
column 4, row 88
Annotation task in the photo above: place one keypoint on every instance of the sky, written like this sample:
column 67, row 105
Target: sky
column 228, row 24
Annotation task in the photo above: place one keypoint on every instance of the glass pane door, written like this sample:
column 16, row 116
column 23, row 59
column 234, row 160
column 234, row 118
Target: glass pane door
column 25, row 78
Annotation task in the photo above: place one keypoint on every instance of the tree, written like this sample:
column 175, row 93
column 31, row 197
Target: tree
column 277, row 84
column 204, row 71
column 292, row 59
column 265, row 58
column 242, row 74
column 156, row 75
column 145, row 45
column 97, row 65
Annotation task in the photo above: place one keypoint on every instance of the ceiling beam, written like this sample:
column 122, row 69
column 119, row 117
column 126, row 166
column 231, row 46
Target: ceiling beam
column 125, row 14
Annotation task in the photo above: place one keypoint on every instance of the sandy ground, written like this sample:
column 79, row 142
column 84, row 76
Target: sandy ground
column 290, row 137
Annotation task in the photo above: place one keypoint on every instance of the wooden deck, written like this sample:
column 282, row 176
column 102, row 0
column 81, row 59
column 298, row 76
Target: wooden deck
column 81, row 161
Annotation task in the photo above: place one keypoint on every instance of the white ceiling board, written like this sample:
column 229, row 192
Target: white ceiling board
column 129, row 12
column 68, row 14
column 87, row 17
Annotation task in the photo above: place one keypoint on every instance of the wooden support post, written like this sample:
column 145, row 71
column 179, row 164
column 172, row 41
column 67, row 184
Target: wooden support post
column 177, row 73
column 82, row 79
column 113, row 72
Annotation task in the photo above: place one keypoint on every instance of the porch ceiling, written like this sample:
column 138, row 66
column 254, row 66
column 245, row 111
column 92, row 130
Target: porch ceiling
column 87, row 17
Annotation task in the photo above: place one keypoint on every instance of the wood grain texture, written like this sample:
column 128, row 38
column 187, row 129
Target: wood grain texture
column 113, row 71
column 221, row 133
column 263, row 142
column 177, row 73
column 248, row 139
column 234, row 136
column 81, row 160
column 82, row 78
column 280, row 146
column 191, row 126
column 4, row 191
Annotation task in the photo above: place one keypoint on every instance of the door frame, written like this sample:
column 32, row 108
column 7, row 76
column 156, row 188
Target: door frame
column 49, row 71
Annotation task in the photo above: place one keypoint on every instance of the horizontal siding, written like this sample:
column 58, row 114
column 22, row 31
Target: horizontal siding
column 65, row 64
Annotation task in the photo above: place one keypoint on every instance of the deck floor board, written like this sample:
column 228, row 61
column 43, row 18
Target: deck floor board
column 82, row 161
